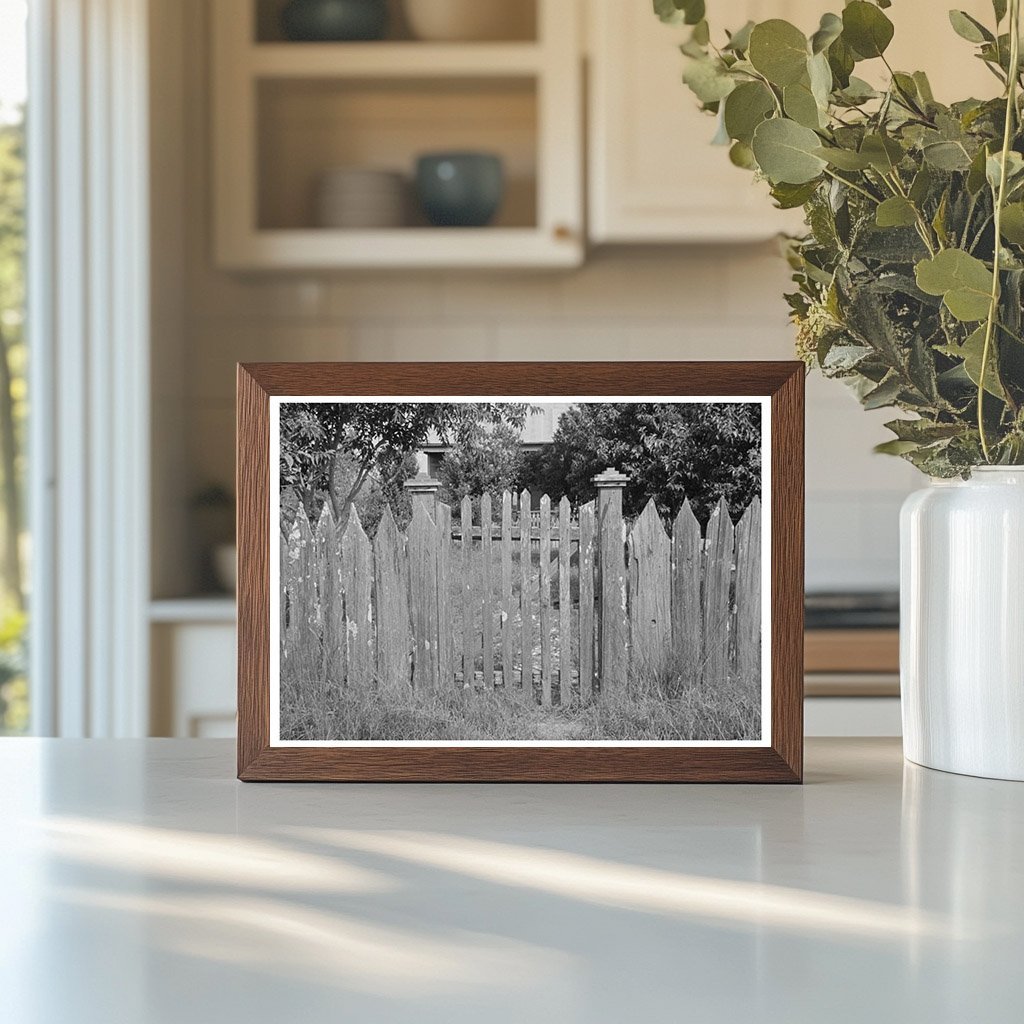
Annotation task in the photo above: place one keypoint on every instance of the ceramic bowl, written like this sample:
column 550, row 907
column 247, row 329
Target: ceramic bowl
column 460, row 189
column 470, row 20
column 358, row 197
column 334, row 20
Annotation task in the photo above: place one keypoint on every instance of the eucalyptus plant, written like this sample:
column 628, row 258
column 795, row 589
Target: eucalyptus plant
column 910, row 278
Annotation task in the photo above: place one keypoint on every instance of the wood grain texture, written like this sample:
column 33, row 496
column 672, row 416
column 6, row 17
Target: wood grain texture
column 525, row 597
column 717, row 578
column 779, row 762
column 650, row 614
column 445, row 625
column 544, row 616
column 357, row 582
column 507, row 672
column 422, row 559
column 564, row 605
column 687, row 571
column 586, row 572
column 469, row 636
column 487, row 583
column 394, row 640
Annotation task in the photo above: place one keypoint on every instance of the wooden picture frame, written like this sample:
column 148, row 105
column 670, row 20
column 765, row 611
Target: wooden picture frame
column 777, row 757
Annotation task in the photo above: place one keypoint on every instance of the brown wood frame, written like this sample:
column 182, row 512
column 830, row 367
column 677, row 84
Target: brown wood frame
column 782, row 761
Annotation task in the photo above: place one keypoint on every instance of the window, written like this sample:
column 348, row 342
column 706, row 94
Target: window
column 14, row 548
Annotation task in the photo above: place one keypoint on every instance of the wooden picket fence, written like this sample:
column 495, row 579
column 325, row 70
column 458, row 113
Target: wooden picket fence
column 549, row 607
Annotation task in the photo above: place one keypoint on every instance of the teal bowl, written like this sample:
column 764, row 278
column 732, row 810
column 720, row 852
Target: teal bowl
column 460, row 190
column 334, row 21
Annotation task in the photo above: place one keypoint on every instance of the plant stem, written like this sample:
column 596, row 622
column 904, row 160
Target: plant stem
column 1000, row 199
column 856, row 188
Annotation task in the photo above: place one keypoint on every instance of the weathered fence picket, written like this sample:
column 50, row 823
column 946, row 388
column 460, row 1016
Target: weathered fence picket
column 687, row 571
column 391, row 580
column 545, row 600
column 445, row 626
column 356, row 622
column 564, row 604
column 586, row 573
column 506, row 590
column 613, row 623
column 487, row 585
column 422, row 547
column 748, row 592
column 525, row 600
column 717, row 580
column 650, row 616
column 358, row 614
column 468, row 629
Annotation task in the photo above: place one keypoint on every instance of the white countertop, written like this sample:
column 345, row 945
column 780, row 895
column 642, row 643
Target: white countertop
column 143, row 885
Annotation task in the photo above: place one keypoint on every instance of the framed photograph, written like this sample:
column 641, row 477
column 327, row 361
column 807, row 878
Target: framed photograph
column 520, row 572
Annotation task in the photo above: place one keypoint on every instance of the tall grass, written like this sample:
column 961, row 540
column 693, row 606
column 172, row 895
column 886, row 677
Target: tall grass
column 654, row 705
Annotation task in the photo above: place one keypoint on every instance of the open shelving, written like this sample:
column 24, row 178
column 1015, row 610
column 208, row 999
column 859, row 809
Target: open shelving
column 286, row 112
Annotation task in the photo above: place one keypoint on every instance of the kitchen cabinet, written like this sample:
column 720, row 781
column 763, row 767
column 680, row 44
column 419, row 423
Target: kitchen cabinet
column 653, row 175
column 286, row 113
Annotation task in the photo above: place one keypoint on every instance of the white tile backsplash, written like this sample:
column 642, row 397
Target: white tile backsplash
column 714, row 303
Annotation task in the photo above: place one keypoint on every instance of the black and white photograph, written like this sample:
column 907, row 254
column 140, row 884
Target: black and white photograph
column 521, row 571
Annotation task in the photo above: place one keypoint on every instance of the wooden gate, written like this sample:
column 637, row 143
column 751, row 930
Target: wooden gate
column 554, row 607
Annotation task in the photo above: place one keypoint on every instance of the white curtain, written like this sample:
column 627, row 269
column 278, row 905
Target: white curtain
column 88, row 317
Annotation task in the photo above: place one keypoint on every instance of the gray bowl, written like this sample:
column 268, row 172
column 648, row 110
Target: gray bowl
column 334, row 20
column 461, row 190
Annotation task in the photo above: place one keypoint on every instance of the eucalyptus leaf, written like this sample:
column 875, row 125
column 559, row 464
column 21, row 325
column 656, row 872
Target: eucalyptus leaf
column 829, row 30
column 866, row 29
column 895, row 212
column 883, row 153
column 741, row 155
column 786, row 152
column 844, row 159
column 708, row 80
column 947, row 156
column 779, row 51
column 745, row 108
column 972, row 353
column 1012, row 225
column 789, row 197
column 739, row 41
column 963, row 281
column 800, row 105
column 969, row 28
column 842, row 61
column 675, row 12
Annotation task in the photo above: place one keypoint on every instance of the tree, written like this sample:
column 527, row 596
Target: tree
column 331, row 450
column 670, row 451
column 485, row 458
column 12, row 351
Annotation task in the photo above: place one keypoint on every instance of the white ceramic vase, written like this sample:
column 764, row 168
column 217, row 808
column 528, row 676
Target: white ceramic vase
column 962, row 624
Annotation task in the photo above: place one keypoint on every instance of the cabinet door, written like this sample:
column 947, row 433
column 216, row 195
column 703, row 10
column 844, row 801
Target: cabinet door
column 654, row 175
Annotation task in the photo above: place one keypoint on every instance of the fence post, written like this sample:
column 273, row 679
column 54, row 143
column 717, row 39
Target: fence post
column 613, row 626
column 423, row 492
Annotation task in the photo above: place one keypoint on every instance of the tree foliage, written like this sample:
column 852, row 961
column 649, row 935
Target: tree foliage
column 671, row 452
column 332, row 450
column 485, row 458
column 910, row 278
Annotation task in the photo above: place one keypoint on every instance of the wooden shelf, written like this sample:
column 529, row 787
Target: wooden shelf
column 393, row 60
column 401, row 247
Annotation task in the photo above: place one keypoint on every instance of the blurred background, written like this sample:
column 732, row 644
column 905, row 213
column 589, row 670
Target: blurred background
column 246, row 180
